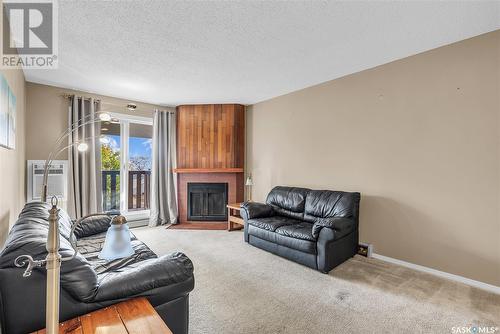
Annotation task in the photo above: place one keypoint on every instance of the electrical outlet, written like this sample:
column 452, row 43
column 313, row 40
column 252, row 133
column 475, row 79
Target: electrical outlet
column 365, row 250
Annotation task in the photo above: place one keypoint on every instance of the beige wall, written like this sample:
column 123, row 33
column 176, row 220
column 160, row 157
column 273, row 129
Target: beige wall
column 419, row 138
column 41, row 118
column 47, row 112
column 12, row 165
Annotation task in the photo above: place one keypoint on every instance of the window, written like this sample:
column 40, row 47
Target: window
column 126, row 154
column 139, row 165
column 110, row 166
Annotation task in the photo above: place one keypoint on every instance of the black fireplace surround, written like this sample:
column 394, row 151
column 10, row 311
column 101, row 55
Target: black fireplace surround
column 207, row 201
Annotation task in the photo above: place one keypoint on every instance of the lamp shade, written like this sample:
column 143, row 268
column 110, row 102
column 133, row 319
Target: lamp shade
column 105, row 117
column 249, row 181
column 82, row 147
column 117, row 243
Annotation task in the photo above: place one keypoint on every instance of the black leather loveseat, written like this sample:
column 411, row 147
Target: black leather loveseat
column 317, row 228
column 87, row 283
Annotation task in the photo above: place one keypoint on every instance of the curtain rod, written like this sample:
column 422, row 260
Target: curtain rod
column 69, row 96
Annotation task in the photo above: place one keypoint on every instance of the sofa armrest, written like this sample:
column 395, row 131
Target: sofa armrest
column 341, row 225
column 250, row 210
column 93, row 225
column 146, row 275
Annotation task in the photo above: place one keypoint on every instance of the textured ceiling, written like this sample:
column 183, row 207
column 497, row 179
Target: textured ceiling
column 169, row 53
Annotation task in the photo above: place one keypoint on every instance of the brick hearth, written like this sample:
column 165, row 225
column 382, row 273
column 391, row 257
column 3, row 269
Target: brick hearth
column 235, row 188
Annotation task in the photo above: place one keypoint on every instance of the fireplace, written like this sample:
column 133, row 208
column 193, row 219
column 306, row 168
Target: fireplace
column 207, row 201
column 233, row 187
column 210, row 151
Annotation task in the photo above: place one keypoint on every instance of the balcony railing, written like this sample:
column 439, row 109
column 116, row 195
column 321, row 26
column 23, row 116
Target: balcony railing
column 110, row 190
column 138, row 190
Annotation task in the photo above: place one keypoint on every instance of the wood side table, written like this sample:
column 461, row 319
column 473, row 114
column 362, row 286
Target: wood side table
column 135, row 316
column 233, row 217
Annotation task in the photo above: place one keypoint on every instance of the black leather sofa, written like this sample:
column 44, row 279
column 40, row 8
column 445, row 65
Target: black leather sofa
column 317, row 228
column 87, row 283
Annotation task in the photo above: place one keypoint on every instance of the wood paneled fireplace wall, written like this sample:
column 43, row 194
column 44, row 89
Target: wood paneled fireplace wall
column 210, row 149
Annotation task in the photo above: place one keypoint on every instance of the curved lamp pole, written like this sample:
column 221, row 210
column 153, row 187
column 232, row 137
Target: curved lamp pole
column 104, row 117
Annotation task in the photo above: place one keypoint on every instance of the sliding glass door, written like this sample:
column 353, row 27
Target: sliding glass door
column 110, row 166
column 139, row 166
column 126, row 146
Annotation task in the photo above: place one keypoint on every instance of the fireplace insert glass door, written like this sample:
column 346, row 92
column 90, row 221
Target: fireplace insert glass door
column 207, row 201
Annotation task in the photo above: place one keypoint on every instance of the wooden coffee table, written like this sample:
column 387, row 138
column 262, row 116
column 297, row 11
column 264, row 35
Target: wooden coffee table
column 135, row 316
column 233, row 217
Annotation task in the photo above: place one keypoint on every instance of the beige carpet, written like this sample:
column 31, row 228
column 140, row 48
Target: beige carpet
column 242, row 289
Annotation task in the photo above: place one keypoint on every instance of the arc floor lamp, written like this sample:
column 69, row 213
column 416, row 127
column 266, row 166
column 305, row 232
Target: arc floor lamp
column 52, row 263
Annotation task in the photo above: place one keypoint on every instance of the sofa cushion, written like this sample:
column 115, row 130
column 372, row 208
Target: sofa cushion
column 288, row 201
column 38, row 212
column 272, row 223
column 90, row 247
column 29, row 236
column 302, row 230
column 306, row 246
column 94, row 224
column 328, row 204
column 145, row 276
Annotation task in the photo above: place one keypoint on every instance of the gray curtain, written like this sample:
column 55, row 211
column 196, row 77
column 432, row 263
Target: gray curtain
column 163, row 181
column 85, row 196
